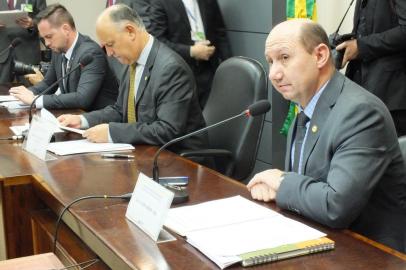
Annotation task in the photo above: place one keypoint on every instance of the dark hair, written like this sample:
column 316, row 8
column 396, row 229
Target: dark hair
column 121, row 13
column 56, row 15
column 311, row 35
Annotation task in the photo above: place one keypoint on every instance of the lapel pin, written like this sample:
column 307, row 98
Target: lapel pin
column 314, row 129
column 146, row 78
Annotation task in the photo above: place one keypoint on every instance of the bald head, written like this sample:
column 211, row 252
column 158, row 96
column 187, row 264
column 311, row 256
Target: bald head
column 307, row 32
column 300, row 59
column 122, row 32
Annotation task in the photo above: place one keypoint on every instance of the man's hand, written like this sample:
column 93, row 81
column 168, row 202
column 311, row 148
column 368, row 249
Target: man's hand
column 351, row 50
column 35, row 78
column 264, row 185
column 202, row 50
column 70, row 120
column 97, row 134
column 25, row 22
column 23, row 94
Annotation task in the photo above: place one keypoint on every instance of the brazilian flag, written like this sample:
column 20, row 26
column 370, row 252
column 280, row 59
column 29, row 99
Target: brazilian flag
column 297, row 9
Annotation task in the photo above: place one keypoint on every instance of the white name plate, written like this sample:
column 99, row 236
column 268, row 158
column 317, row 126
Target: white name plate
column 39, row 136
column 149, row 206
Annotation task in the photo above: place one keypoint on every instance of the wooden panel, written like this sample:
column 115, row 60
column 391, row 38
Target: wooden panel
column 37, row 262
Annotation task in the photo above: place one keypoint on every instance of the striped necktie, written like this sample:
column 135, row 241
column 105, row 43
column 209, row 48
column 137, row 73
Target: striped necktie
column 131, row 117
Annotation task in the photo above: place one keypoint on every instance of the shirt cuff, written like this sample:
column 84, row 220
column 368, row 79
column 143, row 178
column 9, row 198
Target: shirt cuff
column 84, row 124
column 39, row 103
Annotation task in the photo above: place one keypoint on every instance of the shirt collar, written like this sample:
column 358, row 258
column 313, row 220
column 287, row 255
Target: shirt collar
column 142, row 60
column 309, row 110
column 69, row 52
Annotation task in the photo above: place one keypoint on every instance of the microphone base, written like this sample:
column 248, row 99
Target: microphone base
column 181, row 195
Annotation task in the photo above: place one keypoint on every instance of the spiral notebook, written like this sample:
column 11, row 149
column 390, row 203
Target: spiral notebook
column 286, row 251
column 236, row 230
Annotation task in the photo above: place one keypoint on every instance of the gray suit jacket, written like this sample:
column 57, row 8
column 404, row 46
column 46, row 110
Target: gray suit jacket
column 354, row 175
column 90, row 88
column 142, row 8
column 166, row 104
column 28, row 51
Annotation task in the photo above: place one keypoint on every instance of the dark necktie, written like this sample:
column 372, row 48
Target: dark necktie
column 109, row 3
column 11, row 4
column 64, row 67
column 301, row 121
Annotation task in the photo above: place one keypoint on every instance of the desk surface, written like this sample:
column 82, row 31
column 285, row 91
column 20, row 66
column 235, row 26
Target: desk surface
column 102, row 225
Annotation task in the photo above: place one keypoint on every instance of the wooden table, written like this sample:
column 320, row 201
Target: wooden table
column 33, row 191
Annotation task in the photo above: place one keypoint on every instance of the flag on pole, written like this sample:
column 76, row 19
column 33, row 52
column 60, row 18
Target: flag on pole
column 297, row 9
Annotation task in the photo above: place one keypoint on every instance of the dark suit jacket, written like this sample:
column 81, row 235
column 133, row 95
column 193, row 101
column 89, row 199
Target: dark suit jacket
column 354, row 174
column 141, row 7
column 28, row 51
column 170, row 24
column 89, row 88
column 382, row 51
column 166, row 105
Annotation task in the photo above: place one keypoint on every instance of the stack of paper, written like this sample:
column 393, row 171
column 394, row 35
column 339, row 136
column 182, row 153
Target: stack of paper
column 14, row 104
column 84, row 146
column 224, row 230
column 4, row 98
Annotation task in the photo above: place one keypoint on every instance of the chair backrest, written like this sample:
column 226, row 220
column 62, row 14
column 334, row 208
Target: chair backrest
column 238, row 82
column 402, row 144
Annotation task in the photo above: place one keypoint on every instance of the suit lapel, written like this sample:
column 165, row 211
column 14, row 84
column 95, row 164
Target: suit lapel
column 324, row 105
column 73, row 60
column 182, row 12
column 147, row 71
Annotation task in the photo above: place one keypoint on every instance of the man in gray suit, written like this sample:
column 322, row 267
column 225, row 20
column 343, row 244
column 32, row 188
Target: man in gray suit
column 90, row 87
column 157, row 100
column 28, row 51
column 343, row 164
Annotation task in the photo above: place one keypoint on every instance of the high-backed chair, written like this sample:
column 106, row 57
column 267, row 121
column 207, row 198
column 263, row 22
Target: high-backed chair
column 402, row 144
column 238, row 82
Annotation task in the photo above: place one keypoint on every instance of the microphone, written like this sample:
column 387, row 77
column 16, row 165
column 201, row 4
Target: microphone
column 258, row 108
column 14, row 43
column 82, row 63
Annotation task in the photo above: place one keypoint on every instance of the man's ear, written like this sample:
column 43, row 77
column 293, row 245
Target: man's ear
column 131, row 31
column 322, row 54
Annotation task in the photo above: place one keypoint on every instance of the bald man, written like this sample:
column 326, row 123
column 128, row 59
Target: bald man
column 343, row 164
column 157, row 100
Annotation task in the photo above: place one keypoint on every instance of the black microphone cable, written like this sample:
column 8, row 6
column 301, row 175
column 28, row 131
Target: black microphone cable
column 126, row 196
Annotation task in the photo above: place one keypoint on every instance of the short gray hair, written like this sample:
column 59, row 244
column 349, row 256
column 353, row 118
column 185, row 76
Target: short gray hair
column 121, row 13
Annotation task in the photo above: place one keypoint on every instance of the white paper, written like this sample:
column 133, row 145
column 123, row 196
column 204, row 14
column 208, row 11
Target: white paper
column 84, row 146
column 9, row 17
column 14, row 105
column 7, row 98
column 39, row 136
column 58, row 128
column 19, row 130
column 149, row 206
column 224, row 229
column 221, row 212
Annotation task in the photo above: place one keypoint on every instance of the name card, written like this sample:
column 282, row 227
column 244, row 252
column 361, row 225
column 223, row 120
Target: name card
column 149, row 206
column 39, row 136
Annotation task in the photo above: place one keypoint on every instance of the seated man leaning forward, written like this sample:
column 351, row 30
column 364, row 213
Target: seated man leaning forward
column 343, row 165
column 88, row 88
column 157, row 98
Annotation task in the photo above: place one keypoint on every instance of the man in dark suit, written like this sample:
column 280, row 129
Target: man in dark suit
column 157, row 100
column 89, row 88
column 377, row 55
column 195, row 30
column 28, row 51
column 343, row 163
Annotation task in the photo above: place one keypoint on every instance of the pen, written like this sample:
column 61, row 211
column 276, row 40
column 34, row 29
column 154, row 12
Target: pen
column 117, row 156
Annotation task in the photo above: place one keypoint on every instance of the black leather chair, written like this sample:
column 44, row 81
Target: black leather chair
column 402, row 144
column 238, row 82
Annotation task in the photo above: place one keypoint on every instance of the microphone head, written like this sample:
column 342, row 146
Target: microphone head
column 259, row 107
column 17, row 41
column 86, row 60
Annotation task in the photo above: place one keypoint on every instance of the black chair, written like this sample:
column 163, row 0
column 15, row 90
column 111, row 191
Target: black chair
column 238, row 82
column 402, row 144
